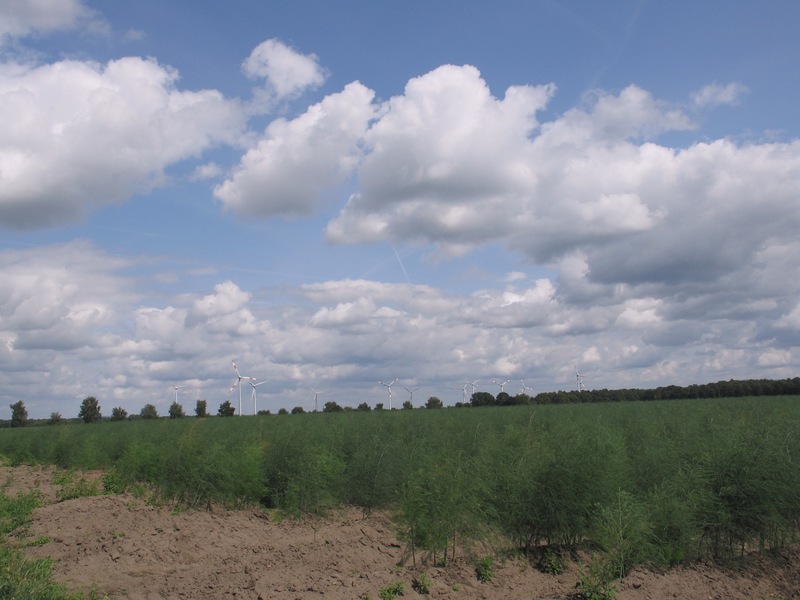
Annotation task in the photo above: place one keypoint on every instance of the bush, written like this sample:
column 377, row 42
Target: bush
column 422, row 584
column 485, row 569
column 149, row 411
column 391, row 591
column 226, row 409
column 176, row 411
column 119, row 414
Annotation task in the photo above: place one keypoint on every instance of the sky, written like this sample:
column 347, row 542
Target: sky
column 337, row 194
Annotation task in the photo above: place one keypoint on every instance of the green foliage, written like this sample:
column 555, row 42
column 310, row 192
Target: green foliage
column 422, row 583
column 19, row 414
column 552, row 561
column 176, row 411
column 118, row 414
column 439, row 505
column 485, row 569
column 16, row 511
column 20, row 578
column 595, row 581
column 623, row 532
column 74, row 486
column 201, row 409
column 226, row 409
column 434, row 402
column 149, row 411
column 482, row 399
column 670, row 482
column 364, row 407
column 90, row 410
column 391, row 591
column 298, row 410
column 55, row 419
column 407, row 405
column 331, row 407
column 113, row 482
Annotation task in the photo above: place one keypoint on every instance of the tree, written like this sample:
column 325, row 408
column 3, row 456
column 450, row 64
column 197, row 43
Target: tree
column 201, row 410
column 433, row 402
column 363, row 407
column 226, row 409
column 148, row 412
column 379, row 406
column 90, row 410
column 298, row 410
column 482, row 399
column 283, row 411
column 55, row 418
column 176, row 411
column 331, row 407
column 503, row 399
column 407, row 405
column 119, row 414
column 19, row 414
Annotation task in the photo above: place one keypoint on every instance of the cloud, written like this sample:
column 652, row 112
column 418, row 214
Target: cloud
column 443, row 162
column 285, row 172
column 73, row 322
column 716, row 94
column 19, row 18
column 78, row 135
column 69, row 300
column 287, row 73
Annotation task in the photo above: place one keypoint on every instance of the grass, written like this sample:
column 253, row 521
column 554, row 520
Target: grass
column 663, row 481
column 20, row 577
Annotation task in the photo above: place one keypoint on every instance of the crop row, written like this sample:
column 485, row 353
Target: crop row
column 666, row 481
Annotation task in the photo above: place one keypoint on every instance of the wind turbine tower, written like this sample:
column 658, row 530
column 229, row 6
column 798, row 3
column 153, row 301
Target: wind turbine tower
column 177, row 387
column 411, row 394
column 525, row 388
column 238, row 382
column 389, row 390
column 579, row 379
column 253, row 395
column 316, row 393
column 464, row 390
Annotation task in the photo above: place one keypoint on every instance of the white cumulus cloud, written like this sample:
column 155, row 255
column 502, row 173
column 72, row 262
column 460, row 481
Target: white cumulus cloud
column 78, row 135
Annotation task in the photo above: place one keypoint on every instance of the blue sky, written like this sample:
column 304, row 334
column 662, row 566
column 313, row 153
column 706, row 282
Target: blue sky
column 334, row 194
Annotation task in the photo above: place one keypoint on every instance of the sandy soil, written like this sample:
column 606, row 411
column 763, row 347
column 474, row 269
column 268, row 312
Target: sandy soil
column 127, row 549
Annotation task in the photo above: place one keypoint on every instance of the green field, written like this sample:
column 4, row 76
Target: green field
column 666, row 481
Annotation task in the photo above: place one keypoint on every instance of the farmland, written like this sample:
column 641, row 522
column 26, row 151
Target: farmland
column 666, row 482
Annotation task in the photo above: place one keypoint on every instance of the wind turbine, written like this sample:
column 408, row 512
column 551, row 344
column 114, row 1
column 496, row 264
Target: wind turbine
column 474, row 385
column 316, row 393
column 579, row 379
column 389, row 390
column 525, row 388
column 501, row 384
column 411, row 393
column 253, row 395
column 464, row 389
column 238, row 382
column 177, row 387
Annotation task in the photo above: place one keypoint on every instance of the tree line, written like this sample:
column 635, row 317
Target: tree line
column 90, row 407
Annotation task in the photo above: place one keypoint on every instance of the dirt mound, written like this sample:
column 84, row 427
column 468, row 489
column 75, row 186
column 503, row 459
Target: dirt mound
column 128, row 549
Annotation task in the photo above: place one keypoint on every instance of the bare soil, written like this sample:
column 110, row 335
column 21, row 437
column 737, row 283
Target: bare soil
column 125, row 548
